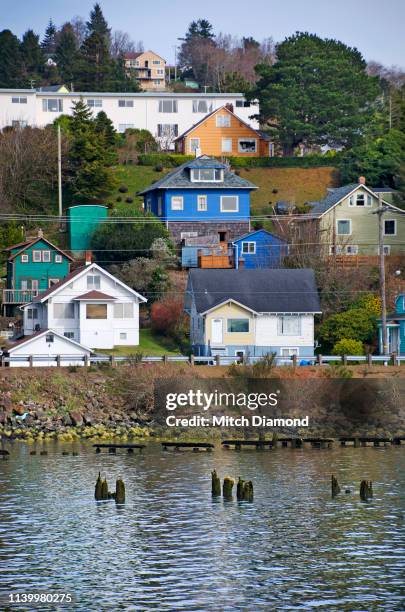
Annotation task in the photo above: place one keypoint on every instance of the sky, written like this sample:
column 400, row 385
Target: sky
column 375, row 27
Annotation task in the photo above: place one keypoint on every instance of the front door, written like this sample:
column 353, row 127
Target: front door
column 393, row 340
column 217, row 331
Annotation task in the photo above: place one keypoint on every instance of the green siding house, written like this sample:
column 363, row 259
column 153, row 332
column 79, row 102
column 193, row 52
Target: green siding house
column 32, row 266
column 344, row 223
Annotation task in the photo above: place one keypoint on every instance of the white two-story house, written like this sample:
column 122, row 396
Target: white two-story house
column 89, row 306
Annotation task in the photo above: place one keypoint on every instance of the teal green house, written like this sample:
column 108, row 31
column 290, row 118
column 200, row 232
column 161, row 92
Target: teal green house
column 395, row 329
column 32, row 266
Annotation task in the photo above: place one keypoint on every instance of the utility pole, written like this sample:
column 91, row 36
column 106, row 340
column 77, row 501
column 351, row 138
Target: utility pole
column 60, row 174
column 380, row 212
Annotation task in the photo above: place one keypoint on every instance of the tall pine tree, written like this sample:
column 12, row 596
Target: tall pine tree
column 32, row 57
column 49, row 42
column 66, row 53
column 11, row 66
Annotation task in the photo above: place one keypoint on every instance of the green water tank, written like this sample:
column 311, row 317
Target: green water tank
column 82, row 223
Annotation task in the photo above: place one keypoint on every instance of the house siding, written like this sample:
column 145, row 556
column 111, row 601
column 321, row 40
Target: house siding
column 40, row 271
column 269, row 251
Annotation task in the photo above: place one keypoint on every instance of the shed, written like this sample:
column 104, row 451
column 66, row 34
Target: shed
column 260, row 249
column 83, row 220
column 44, row 347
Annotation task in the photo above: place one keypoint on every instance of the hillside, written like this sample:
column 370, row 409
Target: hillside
column 294, row 184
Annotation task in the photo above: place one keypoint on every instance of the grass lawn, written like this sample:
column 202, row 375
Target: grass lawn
column 150, row 344
column 135, row 178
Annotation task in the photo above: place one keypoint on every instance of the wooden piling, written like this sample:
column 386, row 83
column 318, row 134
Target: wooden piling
column 248, row 491
column 119, row 491
column 227, row 487
column 366, row 490
column 239, row 488
column 104, row 489
column 215, row 484
column 97, row 489
column 335, row 486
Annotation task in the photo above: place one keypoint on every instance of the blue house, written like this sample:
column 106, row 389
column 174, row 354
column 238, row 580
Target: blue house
column 260, row 249
column 199, row 198
column 395, row 328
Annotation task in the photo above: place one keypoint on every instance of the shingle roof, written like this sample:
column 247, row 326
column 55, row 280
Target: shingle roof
column 94, row 295
column 63, row 280
column 180, row 177
column 29, row 243
column 263, row 290
column 250, row 234
column 333, row 197
column 26, row 339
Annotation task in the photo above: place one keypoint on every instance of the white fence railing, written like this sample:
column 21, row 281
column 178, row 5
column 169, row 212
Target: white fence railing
column 219, row 360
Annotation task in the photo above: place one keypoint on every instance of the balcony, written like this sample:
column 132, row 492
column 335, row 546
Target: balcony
column 19, row 296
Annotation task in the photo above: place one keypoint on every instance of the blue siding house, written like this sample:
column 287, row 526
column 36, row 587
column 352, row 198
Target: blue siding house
column 199, row 198
column 395, row 328
column 260, row 249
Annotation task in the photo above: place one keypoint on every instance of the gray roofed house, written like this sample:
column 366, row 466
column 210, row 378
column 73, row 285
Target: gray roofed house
column 255, row 312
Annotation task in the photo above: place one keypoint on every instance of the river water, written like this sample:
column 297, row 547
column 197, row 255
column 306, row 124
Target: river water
column 173, row 548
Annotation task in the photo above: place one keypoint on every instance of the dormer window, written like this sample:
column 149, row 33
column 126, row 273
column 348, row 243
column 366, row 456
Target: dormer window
column 207, row 175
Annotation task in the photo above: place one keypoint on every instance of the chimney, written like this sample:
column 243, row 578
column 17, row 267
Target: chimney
column 362, row 180
column 40, row 233
column 88, row 258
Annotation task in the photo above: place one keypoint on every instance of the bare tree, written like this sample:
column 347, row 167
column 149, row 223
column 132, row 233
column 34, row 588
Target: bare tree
column 122, row 43
column 79, row 29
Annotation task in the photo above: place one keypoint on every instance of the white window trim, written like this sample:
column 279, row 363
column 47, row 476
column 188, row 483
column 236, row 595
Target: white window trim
column 229, row 140
column 24, row 258
column 395, row 227
column 387, row 249
column 238, row 319
column 352, row 246
column 214, row 180
column 34, row 255
column 205, row 207
column 49, row 256
column 190, row 147
column 337, row 227
column 293, row 350
column 230, row 211
column 335, row 249
column 281, row 333
column 364, row 201
column 58, row 258
column 242, row 151
column 228, row 117
column 180, row 198
column 248, row 252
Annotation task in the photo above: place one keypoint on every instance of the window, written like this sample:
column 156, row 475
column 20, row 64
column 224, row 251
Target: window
column 125, row 103
column 95, row 103
column 344, row 227
column 248, row 248
column 227, row 145
column 390, row 227
column 160, row 207
column 223, row 121
column 167, row 106
column 96, row 311
column 123, row 127
column 123, row 336
column 352, row 249
column 335, row 249
column 202, row 106
column 184, row 235
column 46, row 256
column 207, row 175
column 70, row 335
column 53, row 281
column 32, row 313
column 242, row 103
column 93, row 281
column 160, row 71
column 289, row 325
column 247, row 145
column 24, row 258
column 156, row 62
column 19, row 100
column 369, row 200
column 229, row 203
column 58, row 258
column 148, row 205
column 238, row 325
column 194, row 144
column 289, row 352
column 387, row 249
column 123, row 311
column 168, row 130
column 64, row 310
column 360, row 199
column 271, row 149
column 19, row 123
column 52, row 105
column 202, row 203
column 49, row 338
column 36, row 256
column 177, row 202
column 30, row 284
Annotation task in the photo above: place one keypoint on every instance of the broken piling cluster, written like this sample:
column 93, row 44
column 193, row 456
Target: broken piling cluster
column 244, row 489
column 366, row 488
column 101, row 492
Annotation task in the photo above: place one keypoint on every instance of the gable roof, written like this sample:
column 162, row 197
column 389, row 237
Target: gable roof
column 28, row 339
column 30, row 243
column 42, row 297
column 221, row 108
column 261, row 290
column 94, row 295
column 180, row 177
column 336, row 195
column 261, row 230
column 134, row 55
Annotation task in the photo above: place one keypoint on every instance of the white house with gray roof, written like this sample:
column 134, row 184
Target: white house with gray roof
column 239, row 313
column 344, row 223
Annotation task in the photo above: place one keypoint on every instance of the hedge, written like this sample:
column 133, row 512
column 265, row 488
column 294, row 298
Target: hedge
column 172, row 160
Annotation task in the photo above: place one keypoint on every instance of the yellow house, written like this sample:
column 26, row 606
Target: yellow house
column 148, row 68
column 222, row 133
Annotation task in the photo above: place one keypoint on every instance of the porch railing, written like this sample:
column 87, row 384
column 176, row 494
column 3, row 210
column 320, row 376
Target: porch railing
column 19, row 296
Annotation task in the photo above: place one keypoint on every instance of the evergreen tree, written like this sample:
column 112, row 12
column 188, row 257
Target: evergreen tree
column 94, row 69
column 97, row 23
column 49, row 42
column 317, row 93
column 32, row 56
column 11, row 67
column 199, row 32
column 120, row 80
column 89, row 156
column 104, row 126
column 66, row 53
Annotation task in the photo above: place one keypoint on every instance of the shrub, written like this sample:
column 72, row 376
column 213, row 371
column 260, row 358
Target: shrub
column 166, row 160
column 167, row 315
column 275, row 191
column 129, row 200
column 158, row 168
column 355, row 323
column 123, row 189
column 118, row 199
column 347, row 346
